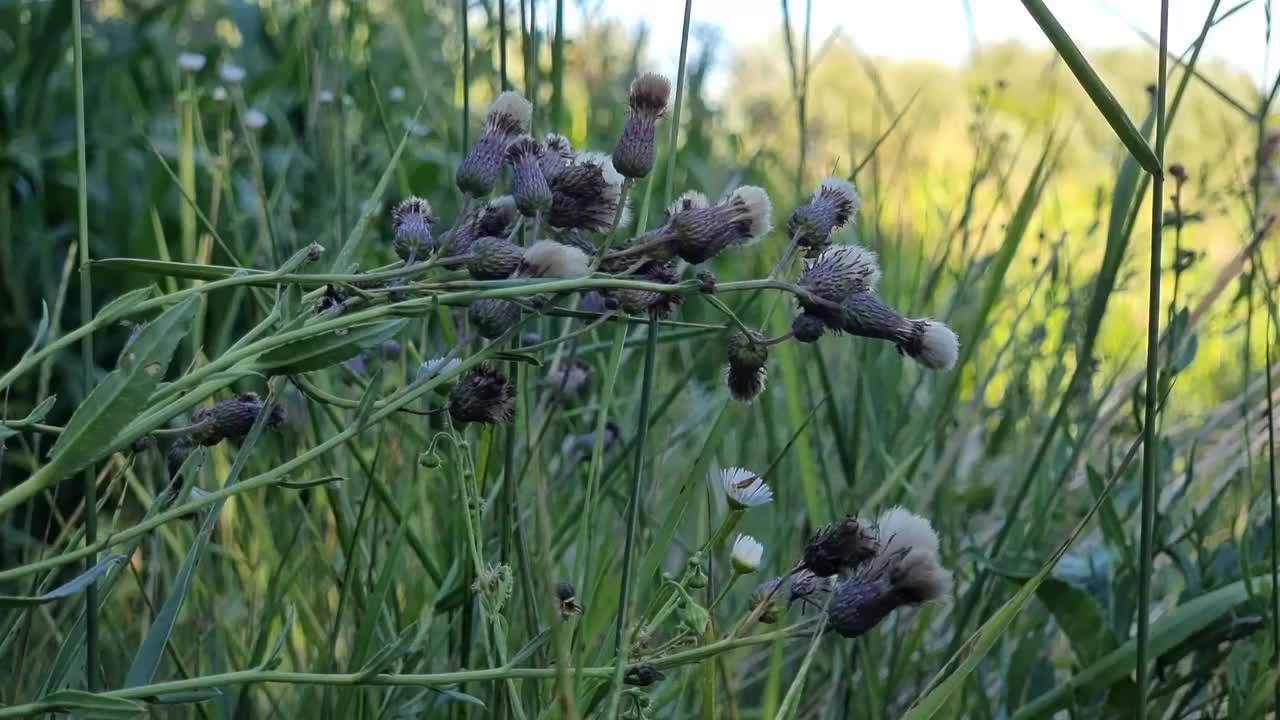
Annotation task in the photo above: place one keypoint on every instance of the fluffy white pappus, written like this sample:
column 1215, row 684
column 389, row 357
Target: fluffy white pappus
column 548, row 258
column 759, row 209
column 845, row 189
column 513, row 104
column 922, row 576
column 612, row 177
column 939, row 346
column 689, row 200
column 900, row 528
column 854, row 259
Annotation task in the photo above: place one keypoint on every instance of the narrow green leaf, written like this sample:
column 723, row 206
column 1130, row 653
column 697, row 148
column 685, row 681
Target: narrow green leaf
column 187, row 697
column 1093, row 85
column 88, row 705
column 40, row 411
column 41, row 331
column 1077, row 614
column 164, row 268
column 124, row 304
column 71, row 587
column 329, row 348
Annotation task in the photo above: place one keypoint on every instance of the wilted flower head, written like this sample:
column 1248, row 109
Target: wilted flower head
column 411, row 223
column 642, row 675
column 585, row 194
column 191, row 62
column 830, row 208
column 494, row 258
column 483, row 395
column 804, row 585
column 928, row 342
column 558, row 154
column 528, row 183
column 491, row 317
column 507, row 118
column 741, row 219
column 635, row 151
column 905, row 571
column 746, row 554
column 231, row 419
column 841, row 546
column 747, row 373
column 744, row 489
column 659, row 304
column 548, row 258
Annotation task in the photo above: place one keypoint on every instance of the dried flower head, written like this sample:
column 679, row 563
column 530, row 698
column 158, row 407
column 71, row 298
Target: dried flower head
column 653, row 302
column 746, row 554
column 807, row 328
column 905, row 571
column 411, row 223
column 804, row 585
column 494, row 258
column 491, row 317
column 831, row 207
column 491, row 220
column 928, row 342
column 558, row 155
column 744, row 488
column 567, row 599
column 528, row 183
column 548, row 258
column 636, row 149
column 841, row 546
column 933, row 345
column 507, row 118
column 483, row 395
column 231, row 419
column 689, row 200
column 741, row 219
column 585, row 194
column 746, row 374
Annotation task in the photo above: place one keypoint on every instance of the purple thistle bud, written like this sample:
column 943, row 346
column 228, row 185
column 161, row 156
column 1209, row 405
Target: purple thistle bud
column 491, row 317
column 528, row 184
column 493, row 258
column 492, row 220
column 634, row 154
column 483, row 395
column 831, row 207
column 508, row 117
column 411, row 223
column 231, row 419
column 928, row 342
column 741, row 219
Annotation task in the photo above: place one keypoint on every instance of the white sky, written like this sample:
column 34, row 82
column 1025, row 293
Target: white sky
column 940, row 30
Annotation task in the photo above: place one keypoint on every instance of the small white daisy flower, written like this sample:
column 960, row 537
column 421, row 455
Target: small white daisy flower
column 396, row 94
column 326, row 97
column 230, row 73
column 744, row 488
column 219, row 94
column 746, row 554
column 191, row 62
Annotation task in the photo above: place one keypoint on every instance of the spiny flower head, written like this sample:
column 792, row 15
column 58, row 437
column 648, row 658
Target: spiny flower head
column 231, row 419
column 491, row 317
column 831, row 207
column 491, row 220
column 483, row 395
column 741, row 219
column 585, row 194
column 930, row 343
column 746, row 554
column 494, row 258
column 507, row 118
column 841, row 546
column 658, row 304
column 744, row 488
column 411, row 223
column 746, row 374
column 634, row 154
column 838, row 271
column 559, row 153
column 528, row 183
column 548, row 258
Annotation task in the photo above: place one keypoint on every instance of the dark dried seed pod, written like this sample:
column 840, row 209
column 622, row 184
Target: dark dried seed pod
column 483, row 395
column 841, row 546
column 567, row 599
column 491, row 317
column 642, row 675
column 746, row 376
column 586, row 194
column 807, row 328
column 231, row 419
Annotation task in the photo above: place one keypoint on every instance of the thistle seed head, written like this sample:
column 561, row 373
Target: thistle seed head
column 528, row 184
column 831, row 207
column 558, row 155
column 483, row 395
column 659, row 304
column 841, row 546
column 585, row 194
column 231, row 419
column 741, row 219
column 932, row 345
column 690, row 200
column 491, row 317
column 839, row 271
column 491, row 220
column 567, row 378
column 411, row 223
column 493, row 258
column 548, row 258
column 507, row 118
column 636, row 149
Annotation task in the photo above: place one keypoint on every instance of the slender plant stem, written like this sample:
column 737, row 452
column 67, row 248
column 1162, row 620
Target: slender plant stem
column 675, row 111
column 1275, row 534
column 504, row 82
column 633, row 512
column 1149, row 450
column 86, row 350
column 466, row 71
